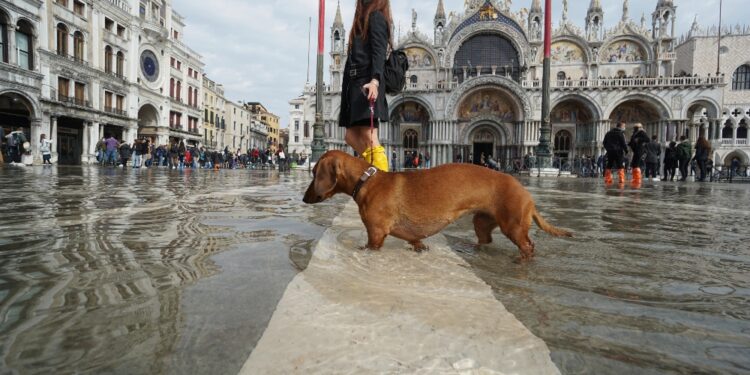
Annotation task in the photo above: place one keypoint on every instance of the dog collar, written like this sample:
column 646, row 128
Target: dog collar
column 365, row 176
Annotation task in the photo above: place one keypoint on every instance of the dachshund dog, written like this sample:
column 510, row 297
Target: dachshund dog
column 415, row 205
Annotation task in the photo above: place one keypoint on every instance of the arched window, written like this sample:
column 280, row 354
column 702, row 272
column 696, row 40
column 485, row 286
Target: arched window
column 62, row 39
column 4, row 37
column 120, row 68
column 413, row 79
column 727, row 132
column 78, row 46
column 561, row 76
column 742, row 130
column 25, row 44
column 562, row 141
column 190, row 97
column 741, row 78
column 171, row 87
column 411, row 139
column 178, row 90
column 108, row 59
column 485, row 51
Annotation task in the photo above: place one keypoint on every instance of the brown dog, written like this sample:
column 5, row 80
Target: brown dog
column 415, row 205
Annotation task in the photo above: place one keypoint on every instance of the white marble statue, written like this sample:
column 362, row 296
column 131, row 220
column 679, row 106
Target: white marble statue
column 565, row 11
column 625, row 7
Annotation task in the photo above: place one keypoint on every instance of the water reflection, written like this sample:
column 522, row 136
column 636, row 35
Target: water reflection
column 655, row 281
column 93, row 261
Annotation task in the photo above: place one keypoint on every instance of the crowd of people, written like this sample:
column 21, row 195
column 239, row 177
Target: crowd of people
column 646, row 155
column 143, row 152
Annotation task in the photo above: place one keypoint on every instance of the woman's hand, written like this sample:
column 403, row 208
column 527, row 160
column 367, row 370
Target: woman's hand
column 372, row 90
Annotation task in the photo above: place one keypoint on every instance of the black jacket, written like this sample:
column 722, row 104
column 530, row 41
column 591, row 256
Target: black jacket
column 653, row 152
column 637, row 141
column 365, row 61
column 614, row 142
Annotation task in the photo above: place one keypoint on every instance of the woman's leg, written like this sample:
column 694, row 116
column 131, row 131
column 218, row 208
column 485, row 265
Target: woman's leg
column 360, row 138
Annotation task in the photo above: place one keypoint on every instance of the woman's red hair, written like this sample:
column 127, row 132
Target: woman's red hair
column 362, row 18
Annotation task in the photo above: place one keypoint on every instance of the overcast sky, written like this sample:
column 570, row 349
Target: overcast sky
column 258, row 48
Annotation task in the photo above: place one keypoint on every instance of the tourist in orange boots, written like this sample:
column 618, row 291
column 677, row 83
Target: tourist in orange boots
column 614, row 143
column 637, row 143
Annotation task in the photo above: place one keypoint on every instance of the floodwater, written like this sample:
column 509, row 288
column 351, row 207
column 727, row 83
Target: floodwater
column 161, row 272
column 145, row 271
column 656, row 280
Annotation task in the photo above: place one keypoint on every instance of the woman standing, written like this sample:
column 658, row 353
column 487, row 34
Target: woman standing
column 670, row 161
column 45, row 146
column 368, row 45
column 702, row 152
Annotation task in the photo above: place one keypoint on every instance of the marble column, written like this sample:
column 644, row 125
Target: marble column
column 12, row 53
column 53, row 136
column 36, row 132
column 85, row 143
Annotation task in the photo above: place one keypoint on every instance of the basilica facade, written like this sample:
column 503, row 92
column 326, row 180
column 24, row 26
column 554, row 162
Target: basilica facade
column 474, row 86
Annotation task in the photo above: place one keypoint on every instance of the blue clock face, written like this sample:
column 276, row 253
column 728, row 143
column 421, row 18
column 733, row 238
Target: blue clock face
column 149, row 65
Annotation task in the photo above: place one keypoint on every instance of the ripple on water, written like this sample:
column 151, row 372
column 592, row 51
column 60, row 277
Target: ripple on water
column 93, row 261
column 654, row 281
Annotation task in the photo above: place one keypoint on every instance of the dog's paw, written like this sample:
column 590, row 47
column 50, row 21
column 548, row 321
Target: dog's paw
column 419, row 247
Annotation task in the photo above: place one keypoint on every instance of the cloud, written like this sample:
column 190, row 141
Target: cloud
column 258, row 48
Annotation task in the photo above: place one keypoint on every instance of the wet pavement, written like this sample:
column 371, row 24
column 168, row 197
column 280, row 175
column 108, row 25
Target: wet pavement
column 157, row 271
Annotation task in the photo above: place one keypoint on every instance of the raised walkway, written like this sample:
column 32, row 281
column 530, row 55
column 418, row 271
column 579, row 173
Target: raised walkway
column 392, row 311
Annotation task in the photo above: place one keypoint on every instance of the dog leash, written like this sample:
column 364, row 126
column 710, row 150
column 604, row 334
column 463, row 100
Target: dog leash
column 372, row 130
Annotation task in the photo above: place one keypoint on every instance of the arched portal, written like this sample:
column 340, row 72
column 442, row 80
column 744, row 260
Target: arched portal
column 148, row 121
column 15, row 114
column 486, row 141
column 410, row 120
column 578, row 118
column 637, row 111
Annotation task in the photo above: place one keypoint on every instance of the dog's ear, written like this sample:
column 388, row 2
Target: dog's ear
column 326, row 174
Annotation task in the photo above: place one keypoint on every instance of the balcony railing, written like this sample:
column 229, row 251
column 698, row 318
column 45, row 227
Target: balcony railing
column 116, row 111
column 122, row 4
column 70, row 100
column 733, row 142
column 627, row 82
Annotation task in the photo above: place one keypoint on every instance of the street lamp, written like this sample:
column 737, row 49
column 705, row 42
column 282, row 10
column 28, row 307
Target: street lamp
column 318, row 147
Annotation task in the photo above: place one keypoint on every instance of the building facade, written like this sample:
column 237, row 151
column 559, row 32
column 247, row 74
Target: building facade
column 214, row 114
column 79, row 70
column 269, row 120
column 474, row 85
column 301, row 121
column 697, row 54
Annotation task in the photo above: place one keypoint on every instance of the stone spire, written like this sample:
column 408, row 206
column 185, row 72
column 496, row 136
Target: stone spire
column 440, row 13
column 536, row 6
column 338, row 21
column 595, row 6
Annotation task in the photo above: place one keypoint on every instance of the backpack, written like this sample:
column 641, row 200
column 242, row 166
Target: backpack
column 394, row 73
column 13, row 140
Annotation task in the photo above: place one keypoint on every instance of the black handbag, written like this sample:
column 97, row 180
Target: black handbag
column 394, row 73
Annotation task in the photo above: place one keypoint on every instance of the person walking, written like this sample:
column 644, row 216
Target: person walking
column 173, row 155
column 702, row 153
column 614, row 143
column 684, row 153
column 16, row 139
column 362, row 86
column 670, row 161
column 45, row 147
column 181, row 150
column 110, row 145
column 427, row 158
column 125, row 152
column 653, row 154
column 138, row 146
column 637, row 144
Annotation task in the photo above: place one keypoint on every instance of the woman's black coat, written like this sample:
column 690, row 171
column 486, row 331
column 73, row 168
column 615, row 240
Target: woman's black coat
column 366, row 60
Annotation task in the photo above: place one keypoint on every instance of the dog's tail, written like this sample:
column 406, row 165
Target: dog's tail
column 547, row 227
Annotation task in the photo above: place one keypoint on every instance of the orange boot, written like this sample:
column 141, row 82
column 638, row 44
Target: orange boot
column 637, row 178
column 608, row 176
column 621, row 175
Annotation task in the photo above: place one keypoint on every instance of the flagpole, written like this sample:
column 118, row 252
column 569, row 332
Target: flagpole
column 318, row 146
column 543, row 153
column 718, row 48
